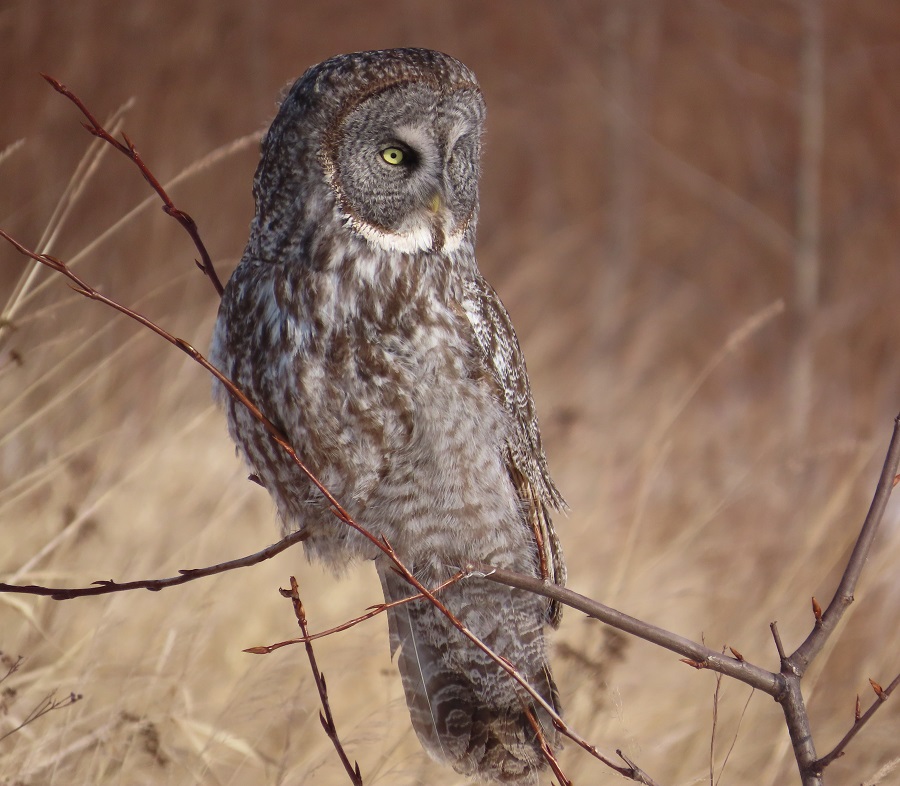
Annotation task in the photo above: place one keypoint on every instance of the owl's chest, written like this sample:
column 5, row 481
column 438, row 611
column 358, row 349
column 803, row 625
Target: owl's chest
column 371, row 362
column 384, row 402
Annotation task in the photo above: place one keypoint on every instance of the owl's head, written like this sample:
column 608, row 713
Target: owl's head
column 395, row 135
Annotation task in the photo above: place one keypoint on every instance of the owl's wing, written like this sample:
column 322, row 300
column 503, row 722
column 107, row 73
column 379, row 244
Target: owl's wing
column 525, row 460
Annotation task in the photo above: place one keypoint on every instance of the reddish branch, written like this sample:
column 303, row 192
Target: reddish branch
column 325, row 716
column 129, row 151
column 549, row 755
column 373, row 611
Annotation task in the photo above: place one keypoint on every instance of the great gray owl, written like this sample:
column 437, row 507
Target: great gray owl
column 359, row 323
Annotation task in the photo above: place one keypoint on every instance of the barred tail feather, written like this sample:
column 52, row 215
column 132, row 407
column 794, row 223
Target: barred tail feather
column 465, row 709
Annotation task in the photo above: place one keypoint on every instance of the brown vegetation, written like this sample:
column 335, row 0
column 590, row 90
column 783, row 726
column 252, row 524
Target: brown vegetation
column 644, row 183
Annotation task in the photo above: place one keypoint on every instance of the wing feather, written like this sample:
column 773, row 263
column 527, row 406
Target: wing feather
column 500, row 351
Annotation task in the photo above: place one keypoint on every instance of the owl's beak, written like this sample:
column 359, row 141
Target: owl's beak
column 443, row 224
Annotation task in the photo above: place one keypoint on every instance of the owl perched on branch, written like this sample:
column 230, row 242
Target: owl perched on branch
column 359, row 323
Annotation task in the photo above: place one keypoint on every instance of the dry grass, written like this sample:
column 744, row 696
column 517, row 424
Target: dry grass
column 638, row 210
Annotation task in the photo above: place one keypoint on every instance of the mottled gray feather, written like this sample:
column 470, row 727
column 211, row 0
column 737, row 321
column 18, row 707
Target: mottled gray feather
column 358, row 322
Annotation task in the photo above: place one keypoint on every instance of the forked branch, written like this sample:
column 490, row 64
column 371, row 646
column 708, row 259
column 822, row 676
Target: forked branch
column 128, row 149
column 843, row 596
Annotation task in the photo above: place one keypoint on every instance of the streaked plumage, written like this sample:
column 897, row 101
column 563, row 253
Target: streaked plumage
column 359, row 323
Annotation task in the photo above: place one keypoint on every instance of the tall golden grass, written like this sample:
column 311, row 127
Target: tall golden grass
column 642, row 185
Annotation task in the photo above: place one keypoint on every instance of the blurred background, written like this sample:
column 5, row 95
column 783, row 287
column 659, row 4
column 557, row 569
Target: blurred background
column 692, row 211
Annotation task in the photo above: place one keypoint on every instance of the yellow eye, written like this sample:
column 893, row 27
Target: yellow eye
column 393, row 155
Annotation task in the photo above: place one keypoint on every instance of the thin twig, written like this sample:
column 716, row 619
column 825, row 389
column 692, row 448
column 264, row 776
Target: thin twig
column 634, row 772
column 843, row 596
column 129, row 151
column 861, row 721
column 779, row 646
column 325, row 715
column 715, row 724
column 48, row 704
column 155, row 585
column 373, row 611
column 549, row 755
column 735, row 738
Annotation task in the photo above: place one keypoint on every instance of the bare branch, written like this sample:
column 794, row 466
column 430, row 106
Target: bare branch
column 325, row 716
column 701, row 656
column 734, row 740
column 794, row 667
column 373, row 611
column 843, row 596
column 779, row 646
column 797, row 720
column 634, row 772
column 129, row 151
column 715, row 725
column 155, row 585
column 861, row 720
column 46, row 705
column 549, row 755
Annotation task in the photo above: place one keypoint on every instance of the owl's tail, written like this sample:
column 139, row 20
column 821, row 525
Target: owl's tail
column 467, row 712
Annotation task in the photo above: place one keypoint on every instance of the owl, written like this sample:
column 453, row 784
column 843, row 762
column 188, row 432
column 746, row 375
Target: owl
column 359, row 323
